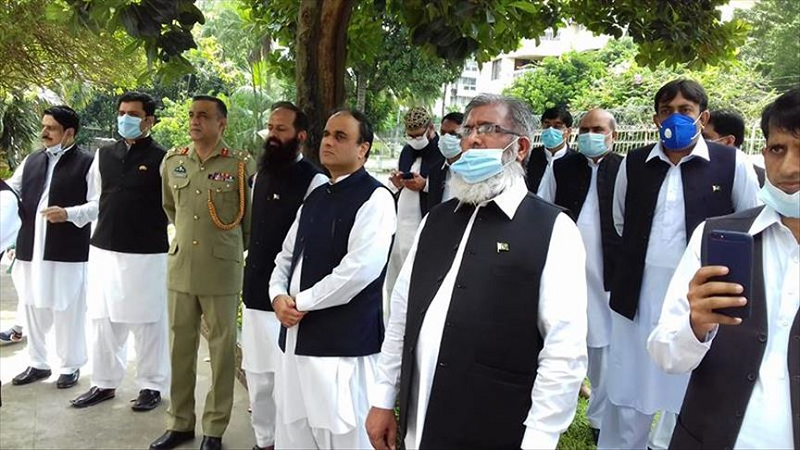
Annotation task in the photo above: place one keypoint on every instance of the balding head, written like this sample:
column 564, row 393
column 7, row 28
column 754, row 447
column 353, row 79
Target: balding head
column 598, row 121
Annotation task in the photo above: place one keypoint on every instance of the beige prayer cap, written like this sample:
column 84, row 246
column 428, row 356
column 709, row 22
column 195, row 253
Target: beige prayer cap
column 417, row 117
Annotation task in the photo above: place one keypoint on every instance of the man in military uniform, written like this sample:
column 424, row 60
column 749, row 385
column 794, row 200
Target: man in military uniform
column 206, row 196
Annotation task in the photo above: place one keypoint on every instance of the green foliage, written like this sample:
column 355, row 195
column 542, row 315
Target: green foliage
column 172, row 129
column 19, row 127
column 610, row 78
column 670, row 32
column 773, row 46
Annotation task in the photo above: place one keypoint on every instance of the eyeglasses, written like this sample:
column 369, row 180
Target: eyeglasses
column 486, row 128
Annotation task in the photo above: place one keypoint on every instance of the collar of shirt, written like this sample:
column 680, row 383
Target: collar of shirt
column 509, row 200
column 216, row 152
column 700, row 150
column 766, row 218
column 592, row 162
column 336, row 180
column 554, row 156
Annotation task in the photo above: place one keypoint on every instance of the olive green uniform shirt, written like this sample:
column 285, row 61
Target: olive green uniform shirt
column 204, row 259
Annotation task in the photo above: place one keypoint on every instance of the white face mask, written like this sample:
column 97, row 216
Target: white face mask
column 419, row 142
column 56, row 149
column 787, row 205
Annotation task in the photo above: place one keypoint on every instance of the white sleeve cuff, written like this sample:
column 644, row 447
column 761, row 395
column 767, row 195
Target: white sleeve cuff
column 383, row 396
column 303, row 300
column 275, row 291
column 688, row 341
column 537, row 439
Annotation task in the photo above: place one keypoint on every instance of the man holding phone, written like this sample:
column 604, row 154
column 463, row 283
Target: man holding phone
column 744, row 390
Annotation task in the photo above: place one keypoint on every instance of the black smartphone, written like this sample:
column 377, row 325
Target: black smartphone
column 733, row 250
column 407, row 175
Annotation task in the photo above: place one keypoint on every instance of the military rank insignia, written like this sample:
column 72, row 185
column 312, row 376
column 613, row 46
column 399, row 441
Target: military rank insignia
column 221, row 176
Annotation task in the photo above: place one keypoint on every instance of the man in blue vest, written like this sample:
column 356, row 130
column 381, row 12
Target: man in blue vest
column 583, row 183
column 283, row 181
column 663, row 191
column 486, row 342
column 744, row 390
column 326, row 291
column 55, row 187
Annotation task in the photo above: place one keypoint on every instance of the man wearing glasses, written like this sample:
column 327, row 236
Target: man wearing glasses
column 483, row 345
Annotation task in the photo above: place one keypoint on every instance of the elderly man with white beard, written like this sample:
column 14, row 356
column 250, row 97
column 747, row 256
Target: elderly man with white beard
column 486, row 341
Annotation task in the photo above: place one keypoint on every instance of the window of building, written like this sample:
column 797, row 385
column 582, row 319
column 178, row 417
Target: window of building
column 468, row 83
column 496, row 65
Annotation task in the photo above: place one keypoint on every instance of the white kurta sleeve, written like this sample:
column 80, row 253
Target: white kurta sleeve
column 387, row 381
column 80, row 215
column 9, row 219
column 672, row 344
column 563, row 324
column 745, row 184
column 367, row 252
column 279, row 281
column 15, row 182
column 620, row 190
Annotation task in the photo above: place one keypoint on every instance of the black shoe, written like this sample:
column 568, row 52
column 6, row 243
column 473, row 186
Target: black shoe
column 172, row 439
column 147, row 400
column 68, row 380
column 211, row 443
column 93, row 396
column 595, row 434
column 30, row 375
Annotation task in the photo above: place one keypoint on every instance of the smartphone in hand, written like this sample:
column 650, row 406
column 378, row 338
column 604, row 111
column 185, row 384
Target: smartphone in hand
column 408, row 175
column 733, row 250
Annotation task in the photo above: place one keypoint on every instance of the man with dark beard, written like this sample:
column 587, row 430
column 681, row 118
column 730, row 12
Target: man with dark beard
column 283, row 181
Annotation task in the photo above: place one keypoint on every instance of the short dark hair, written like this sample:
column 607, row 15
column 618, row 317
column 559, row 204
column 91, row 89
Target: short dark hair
column 365, row 133
column 558, row 112
column 148, row 103
column 728, row 122
column 690, row 90
column 456, row 117
column 210, row 98
column 783, row 114
column 300, row 118
column 65, row 116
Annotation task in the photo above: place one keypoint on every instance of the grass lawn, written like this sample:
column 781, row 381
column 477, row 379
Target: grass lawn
column 578, row 435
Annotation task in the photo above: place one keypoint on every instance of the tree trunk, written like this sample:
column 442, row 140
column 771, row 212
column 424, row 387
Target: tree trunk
column 361, row 91
column 320, row 63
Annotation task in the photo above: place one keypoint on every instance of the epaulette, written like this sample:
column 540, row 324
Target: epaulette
column 175, row 151
column 239, row 154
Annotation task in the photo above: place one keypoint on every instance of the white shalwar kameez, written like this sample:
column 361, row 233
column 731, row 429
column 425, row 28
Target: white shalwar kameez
column 599, row 313
column 261, row 357
column 54, row 292
column 322, row 401
column 637, row 387
column 127, row 293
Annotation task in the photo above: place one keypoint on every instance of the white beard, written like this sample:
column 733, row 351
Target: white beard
column 490, row 188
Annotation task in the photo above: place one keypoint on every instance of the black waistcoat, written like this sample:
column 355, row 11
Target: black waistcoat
column 573, row 175
column 437, row 177
column 720, row 387
column 537, row 164
column 481, row 390
column 432, row 160
column 277, row 196
column 64, row 242
column 326, row 220
column 131, row 218
column 707, row 192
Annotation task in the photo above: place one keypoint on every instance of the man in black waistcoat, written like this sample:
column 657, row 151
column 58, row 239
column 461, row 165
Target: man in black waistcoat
column 450, row 148
column 56, row 191
column 726, row 127
column 418, row 158
column 583, row 183
column 556, row 133
column 486, row 342
column 662, row 192
column 127, row 273
column 283, row 181
column 744, row 390
column 326, row 292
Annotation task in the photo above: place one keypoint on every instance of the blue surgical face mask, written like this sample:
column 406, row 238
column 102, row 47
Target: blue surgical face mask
column 449, row 145
column 129, row 126
column 480, row 164
column 678, row 131
column 552, row 137
column 787, row 205
column 592, row 145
